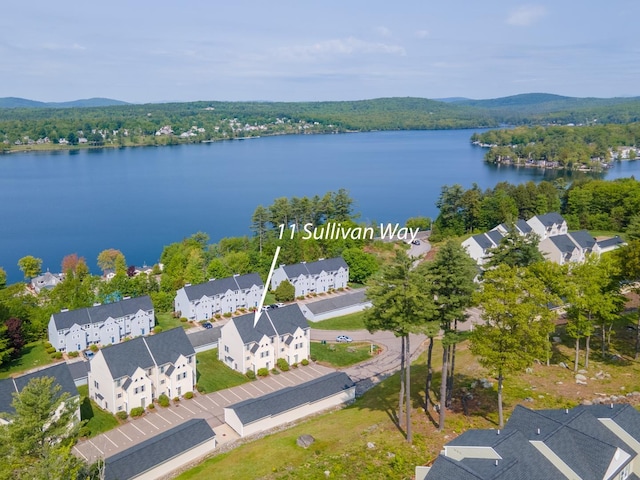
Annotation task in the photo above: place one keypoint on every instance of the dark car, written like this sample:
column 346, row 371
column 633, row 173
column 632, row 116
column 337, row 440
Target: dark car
column 416, row 242
column 207, row 325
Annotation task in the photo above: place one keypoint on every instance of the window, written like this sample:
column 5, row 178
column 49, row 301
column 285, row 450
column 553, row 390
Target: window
column 162, row 369
column 142, row 388
column 162, row 382
column 119, row 382
column 119, row 395
column 184, row 375
column 226, row 348
column 149, row 372
column 119, row 407
column 135, row 390
column 95, row 384
column 190, row 359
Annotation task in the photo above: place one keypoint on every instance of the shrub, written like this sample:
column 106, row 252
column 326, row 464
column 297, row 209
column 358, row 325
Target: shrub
column 47, row 345
column 94, row 348
column 283, row 364
column 163, row 400
column 50, row 350
column 301, row 297
column 275, row 371
column 122, row 415
column 263, row 372
column 251, row 375
column 158, row 329
column 200, row 389
column 84, row 431
column 176, row 399
column 184, row 319
column 218, row 316
column 242, row 309
column 294, row 365
column 304, row 362
column 137, row 411
column 285, row 292
column 74, row 354
column 151, row 406
column 57, row 355
column 188, row 395
column 227, row 314
column 341, row 289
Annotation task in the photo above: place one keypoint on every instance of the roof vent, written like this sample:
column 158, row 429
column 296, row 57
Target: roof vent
column 496, row 462
column 320, row 259
column 498, row 431
column 64, row 310
column 538, row 431
column 127, row 297
column 611, row 404
column 187, row 284
column 566, row 411
column 97, row 304
column 212, row 279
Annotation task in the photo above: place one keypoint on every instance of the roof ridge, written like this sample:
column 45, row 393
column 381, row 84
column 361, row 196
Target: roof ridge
column 153, row 359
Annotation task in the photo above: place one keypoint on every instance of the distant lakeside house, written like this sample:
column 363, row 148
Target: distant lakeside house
column 556, row 243
column 279, row 333
column 313, row 277
column 111, row 323
column 46, row 281
column 12, row 385
column 135, row 373
column 223, row 295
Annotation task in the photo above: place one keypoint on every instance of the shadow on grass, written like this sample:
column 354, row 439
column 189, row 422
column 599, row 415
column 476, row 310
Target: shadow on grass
column 86, row 410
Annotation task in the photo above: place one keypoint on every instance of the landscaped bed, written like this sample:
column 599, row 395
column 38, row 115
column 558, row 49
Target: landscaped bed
column 341, row 354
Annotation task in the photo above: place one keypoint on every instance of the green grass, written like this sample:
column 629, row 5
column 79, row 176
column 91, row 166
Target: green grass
column 270, row 298
column 341, row 354
column 214, row 375
column 98, row 420
column 33, row 355
column 167, row 322
column 353, row 321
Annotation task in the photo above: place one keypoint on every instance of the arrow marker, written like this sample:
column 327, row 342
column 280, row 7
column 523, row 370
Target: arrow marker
column 266, row 287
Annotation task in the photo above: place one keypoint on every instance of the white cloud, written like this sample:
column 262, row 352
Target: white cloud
column 526, row 15
column 384, row 31
column 340, row 47
column 57, row 47
column 422, row 33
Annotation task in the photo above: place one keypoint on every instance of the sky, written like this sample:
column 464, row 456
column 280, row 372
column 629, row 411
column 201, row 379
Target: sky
column 157, row 51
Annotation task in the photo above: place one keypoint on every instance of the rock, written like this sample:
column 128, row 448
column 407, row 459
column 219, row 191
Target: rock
column 596, row 401
column 486, row 383
column 623, row 388
column 582, row 371
column 563, row 365
column 581, row 377
column 327, row 473
column 305, row 440
column 587, row 402
column 529, row 370
column 528, row 399
column 559, row 383
column 540, row 396
column 581, row 382
column 391, row 455
column 474, row 384
column 556, row 339
column 351, row 349
column 371, row 445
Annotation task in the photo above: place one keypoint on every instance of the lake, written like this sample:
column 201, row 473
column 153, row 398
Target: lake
column 139, row 199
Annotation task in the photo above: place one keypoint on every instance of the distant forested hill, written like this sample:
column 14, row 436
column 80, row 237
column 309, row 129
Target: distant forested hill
column 15, row 102
column 110, row 122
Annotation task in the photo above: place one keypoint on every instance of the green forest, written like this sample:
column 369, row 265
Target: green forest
column 192, row 122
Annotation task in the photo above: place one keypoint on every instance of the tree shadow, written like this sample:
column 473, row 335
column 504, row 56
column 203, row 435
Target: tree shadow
column 86, row 410
column 384, row 398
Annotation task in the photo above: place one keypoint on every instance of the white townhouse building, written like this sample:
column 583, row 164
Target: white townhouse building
column 280, row 333
column 548, row 225
column 313, row 277
column 223, row 295
column 135, row 373
column 106, row 324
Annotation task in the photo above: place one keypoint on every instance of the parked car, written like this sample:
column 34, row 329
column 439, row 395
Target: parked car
column 88, row 354
column 279, row 305
column 344, row 339
column 416, row 242
column 207, row 325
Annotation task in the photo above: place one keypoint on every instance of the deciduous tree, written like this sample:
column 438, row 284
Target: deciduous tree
column 30, row 266
column 108, row 259
column 517, row 323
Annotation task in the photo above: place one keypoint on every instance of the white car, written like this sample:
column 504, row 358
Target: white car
column 344, row 339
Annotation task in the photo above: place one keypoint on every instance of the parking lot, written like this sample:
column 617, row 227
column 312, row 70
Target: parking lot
column 209, row 406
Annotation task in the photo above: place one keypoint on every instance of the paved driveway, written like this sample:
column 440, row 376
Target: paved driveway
column 209, row 406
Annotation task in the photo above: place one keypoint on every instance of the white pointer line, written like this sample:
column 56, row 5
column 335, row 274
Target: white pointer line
column 266, row 287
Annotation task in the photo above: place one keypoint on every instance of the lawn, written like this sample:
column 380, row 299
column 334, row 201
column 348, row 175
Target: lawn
column 167, row 322
column 353, row 321
column 214, row 375
column 33, row 355
column 99, row 421
column 341, row 354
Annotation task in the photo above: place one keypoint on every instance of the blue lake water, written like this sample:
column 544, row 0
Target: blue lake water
column 139, row 199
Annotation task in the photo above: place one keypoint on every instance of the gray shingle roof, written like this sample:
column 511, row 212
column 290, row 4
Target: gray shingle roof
column 124, row 358
column 167, row 346
column 523, row 226
column 79, row 369
column 204, row 337
column 315, row 268
column 284, row 319
column 584, row 239
column 548, row 219
column 495, row 236
column 59, row 371
column 281, row 401
column 611, row 242
column 482, row 240
column 222, row 285
column 157, row 450
column 100, row 313
column 564, row 243
column 334, row 303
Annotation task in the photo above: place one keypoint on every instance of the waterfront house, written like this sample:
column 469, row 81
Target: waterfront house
column 279, row 333
column 135, row 373
column 223, row 295
column 106, row 324
column 313, row 277
column 46, row 281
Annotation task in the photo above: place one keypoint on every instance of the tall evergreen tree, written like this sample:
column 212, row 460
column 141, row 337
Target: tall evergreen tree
column 451, row 278
column 401, row 303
